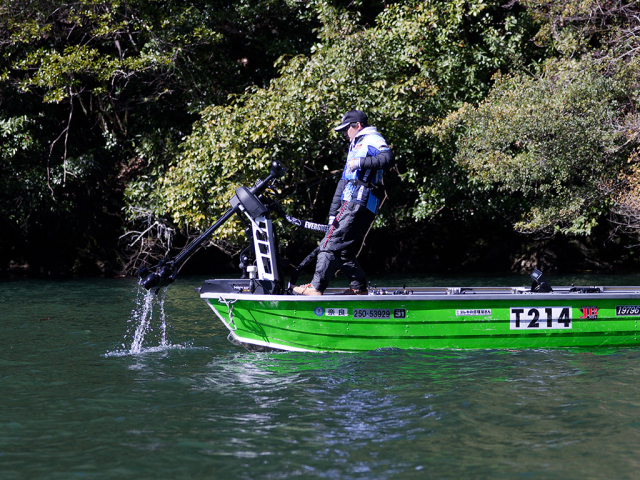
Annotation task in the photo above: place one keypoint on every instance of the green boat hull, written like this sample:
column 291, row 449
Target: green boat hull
column 473, row 318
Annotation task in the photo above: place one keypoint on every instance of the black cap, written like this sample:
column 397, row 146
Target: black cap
column 352, row 116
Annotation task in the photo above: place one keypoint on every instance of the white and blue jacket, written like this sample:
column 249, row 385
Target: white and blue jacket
column 364, row 185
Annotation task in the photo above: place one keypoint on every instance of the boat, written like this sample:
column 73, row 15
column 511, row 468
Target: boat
column 426, row 318
column 262, row 314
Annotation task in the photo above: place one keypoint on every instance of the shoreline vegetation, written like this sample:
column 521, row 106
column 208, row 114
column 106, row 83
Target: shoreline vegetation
column 553, row 256
column 126, row 127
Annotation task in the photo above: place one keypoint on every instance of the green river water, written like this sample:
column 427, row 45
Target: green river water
column 86, row 391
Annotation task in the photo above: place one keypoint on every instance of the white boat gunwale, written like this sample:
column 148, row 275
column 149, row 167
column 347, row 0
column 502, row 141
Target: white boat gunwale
column 436, row 294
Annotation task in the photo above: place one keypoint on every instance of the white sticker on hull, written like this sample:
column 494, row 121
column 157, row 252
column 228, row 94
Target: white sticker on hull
column 628, row 311
column 336, row 312
column 540, row 318
column 478, row 312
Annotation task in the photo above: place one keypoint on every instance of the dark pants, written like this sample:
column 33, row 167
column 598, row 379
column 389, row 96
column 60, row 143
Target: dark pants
column 339, row 247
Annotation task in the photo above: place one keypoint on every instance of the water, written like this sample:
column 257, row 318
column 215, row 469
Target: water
column 87, row 392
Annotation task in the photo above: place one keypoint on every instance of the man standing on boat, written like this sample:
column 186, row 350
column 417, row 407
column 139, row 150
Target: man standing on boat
column 354, row 206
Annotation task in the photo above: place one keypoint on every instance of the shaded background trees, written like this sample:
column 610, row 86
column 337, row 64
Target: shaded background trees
column 97, row 93
column 124, row 124
column 418, row 62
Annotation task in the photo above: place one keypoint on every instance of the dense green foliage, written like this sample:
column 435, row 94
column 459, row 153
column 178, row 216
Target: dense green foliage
column 145, row 116
column 561, row 137
column 96, row 93
column 551, row 140
column 419, row 61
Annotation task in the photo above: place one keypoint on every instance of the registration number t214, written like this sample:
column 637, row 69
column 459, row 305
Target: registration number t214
column 540, row 318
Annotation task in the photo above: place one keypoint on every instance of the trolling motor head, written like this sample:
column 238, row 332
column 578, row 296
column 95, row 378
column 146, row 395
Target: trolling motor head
column 164, row 275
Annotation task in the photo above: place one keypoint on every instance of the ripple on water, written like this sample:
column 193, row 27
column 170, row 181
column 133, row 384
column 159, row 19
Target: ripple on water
column 184, row 403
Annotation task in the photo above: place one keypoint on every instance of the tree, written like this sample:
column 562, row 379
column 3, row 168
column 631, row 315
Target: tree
column 559, row 137
column 419, row 61
column 105, row 90
column 552, row 139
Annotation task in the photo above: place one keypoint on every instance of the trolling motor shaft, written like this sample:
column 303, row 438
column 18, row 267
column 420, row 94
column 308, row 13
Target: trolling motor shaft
column 167, row 269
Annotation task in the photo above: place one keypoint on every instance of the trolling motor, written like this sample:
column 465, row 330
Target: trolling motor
column 245, row 200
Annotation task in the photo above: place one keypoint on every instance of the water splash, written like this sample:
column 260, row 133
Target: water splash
column 145, row 316
column 148, row 327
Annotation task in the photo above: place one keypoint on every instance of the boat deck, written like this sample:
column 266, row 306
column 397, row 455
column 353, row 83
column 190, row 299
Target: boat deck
column 243, row 287
column 437, row 291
